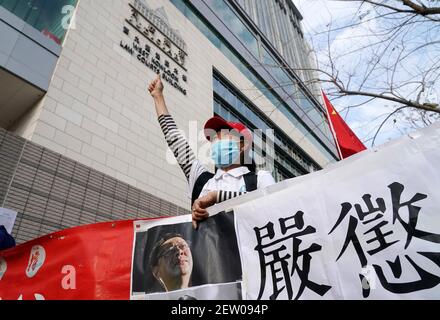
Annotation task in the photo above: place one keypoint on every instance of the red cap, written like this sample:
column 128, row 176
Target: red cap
column 217, row 123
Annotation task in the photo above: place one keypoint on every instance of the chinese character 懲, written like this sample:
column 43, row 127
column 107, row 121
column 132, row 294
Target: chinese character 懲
column 380, row 232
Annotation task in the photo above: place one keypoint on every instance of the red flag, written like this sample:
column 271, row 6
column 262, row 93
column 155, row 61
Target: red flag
column 347, row 141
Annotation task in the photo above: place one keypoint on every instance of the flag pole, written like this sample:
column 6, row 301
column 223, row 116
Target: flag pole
column 331, row 124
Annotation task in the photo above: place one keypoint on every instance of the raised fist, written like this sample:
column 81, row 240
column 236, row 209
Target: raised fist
column 156, row 87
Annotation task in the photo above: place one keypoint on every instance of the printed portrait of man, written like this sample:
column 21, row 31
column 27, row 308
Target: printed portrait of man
column 175, row 261
column 171, row 262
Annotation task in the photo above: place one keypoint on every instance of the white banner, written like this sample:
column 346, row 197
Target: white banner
column 365, row 228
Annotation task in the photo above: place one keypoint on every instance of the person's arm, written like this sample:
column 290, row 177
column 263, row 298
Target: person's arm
column 226, row 195
column 265, row 179
column 156, row 90
column 177, row 143
column 199, row 212
column 175, row 140
column 217, row 196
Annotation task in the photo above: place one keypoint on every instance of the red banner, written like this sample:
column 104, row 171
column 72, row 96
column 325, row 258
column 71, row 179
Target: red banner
column 87, row 262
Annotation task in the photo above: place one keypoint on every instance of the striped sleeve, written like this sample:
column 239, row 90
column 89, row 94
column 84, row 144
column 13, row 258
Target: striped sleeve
column 177, row 143
column 226, row 195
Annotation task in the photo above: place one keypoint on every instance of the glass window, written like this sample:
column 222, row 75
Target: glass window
column 248, row 71
column 274, row 67
column 238, row 28
column 47, row 16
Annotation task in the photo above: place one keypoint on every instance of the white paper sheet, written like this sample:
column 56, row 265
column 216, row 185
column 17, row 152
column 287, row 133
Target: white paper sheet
column 7, row 218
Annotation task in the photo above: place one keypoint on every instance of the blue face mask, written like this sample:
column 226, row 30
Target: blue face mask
column 225, row 153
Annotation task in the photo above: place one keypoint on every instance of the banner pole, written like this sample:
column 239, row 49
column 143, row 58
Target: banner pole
column 331, row 126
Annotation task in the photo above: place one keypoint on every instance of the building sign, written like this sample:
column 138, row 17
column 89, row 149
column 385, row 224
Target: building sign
column 155, row 44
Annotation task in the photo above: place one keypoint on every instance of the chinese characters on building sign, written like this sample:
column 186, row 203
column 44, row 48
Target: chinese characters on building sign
column 156, row 45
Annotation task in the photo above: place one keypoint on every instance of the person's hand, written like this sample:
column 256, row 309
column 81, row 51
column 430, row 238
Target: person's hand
column 199, row 212
column 156, row 87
